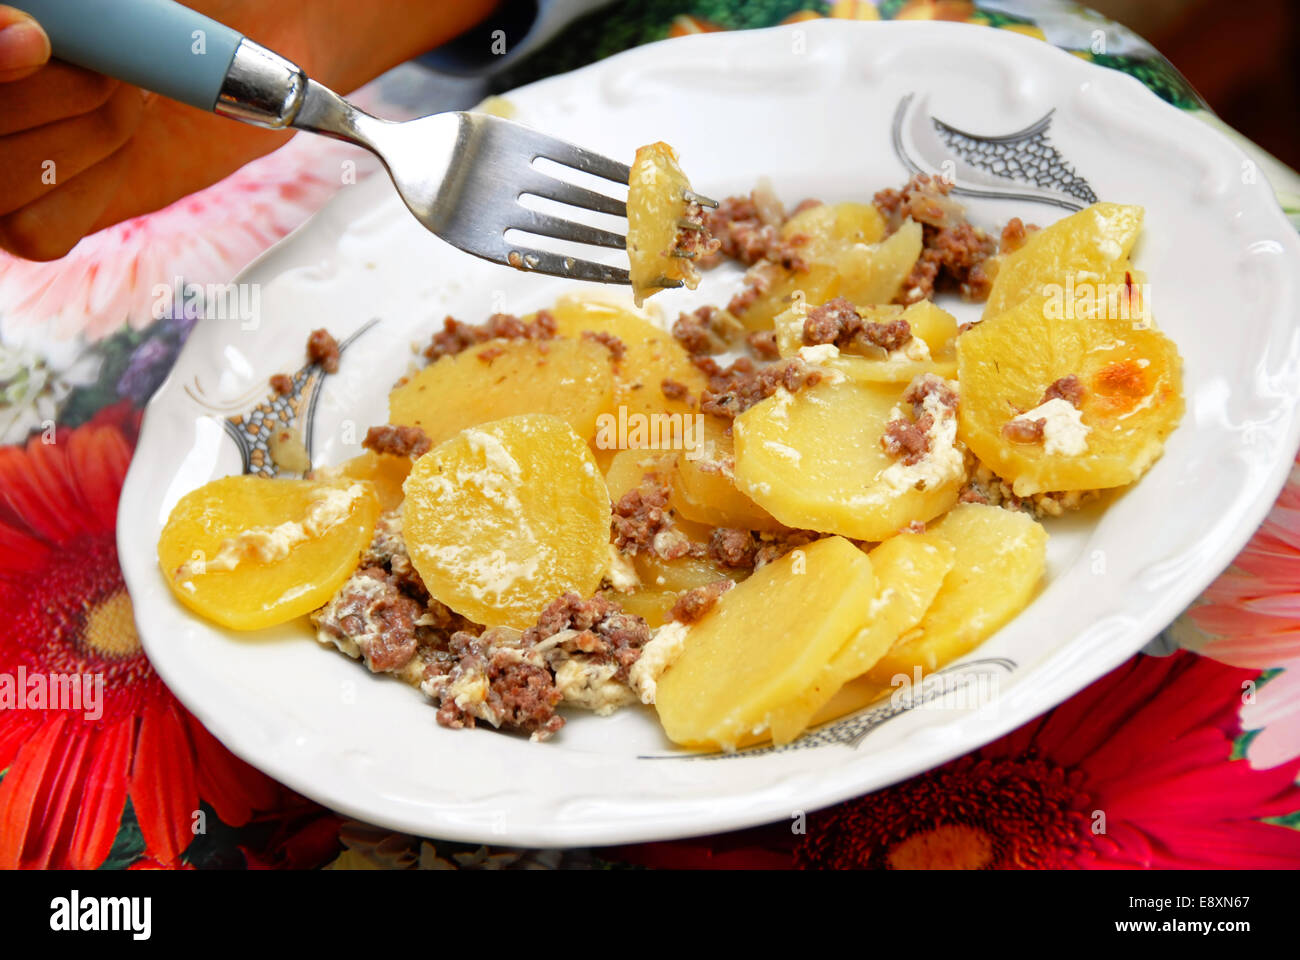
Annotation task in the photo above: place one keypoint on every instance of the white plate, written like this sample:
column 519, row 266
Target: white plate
column 814, row 108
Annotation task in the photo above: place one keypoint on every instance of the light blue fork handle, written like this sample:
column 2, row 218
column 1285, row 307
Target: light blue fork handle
column 156, row 44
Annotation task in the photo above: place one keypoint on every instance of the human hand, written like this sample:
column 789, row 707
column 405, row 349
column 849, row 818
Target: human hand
column 80, row 151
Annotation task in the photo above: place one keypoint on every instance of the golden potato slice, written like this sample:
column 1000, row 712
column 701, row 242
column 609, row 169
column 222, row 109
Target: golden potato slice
column 874, row 273
column 704, row 487
column 1092, row 241
column 1132, row 397
column 656, row 205
column 763, row 643
column 652, row 356
column 909, row 570
column 814, row 460
column 503, row 518
column 1000, row 559
column 829, row 228
column 819, row 283
column 628, row 468
column 386, row 473
column 569, row 379
column 249, row 552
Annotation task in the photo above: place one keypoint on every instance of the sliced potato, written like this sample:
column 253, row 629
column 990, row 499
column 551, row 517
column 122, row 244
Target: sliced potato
column 763, row 643
column 1091, row 242
column 909, row 570
column 652, row 356
column 704, row 488
column 569, row 379
column 1132, row 397
column 656, row 203
column 503, row 518
column 1000, row 559
column 250, row 552
column 874, row 273
column 814, row 460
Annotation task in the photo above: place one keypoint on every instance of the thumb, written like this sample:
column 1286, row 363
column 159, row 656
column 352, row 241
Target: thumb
column 24, row 47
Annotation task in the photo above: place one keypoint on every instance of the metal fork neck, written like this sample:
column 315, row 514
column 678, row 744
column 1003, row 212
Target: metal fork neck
column 264, row 89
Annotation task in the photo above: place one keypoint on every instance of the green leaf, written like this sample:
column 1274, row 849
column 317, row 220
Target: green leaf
column 128, row 845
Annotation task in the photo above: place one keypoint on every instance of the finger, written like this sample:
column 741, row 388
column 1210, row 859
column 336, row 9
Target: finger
column 35, row 162
column 54, row 92
column 24, row 47
column 48, row 228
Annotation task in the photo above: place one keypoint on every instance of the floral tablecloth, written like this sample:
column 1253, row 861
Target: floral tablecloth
column 1191, row 749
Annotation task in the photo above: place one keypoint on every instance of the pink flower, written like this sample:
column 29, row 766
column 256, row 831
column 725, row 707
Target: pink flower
column 1250, row 617
column 108, row 278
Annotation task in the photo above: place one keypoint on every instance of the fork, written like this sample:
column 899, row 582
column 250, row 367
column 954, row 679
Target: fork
column 461, row 174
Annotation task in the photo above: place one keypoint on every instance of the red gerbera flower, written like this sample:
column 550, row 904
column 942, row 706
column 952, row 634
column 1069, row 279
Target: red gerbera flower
column 1135, row 771
column 67, row 613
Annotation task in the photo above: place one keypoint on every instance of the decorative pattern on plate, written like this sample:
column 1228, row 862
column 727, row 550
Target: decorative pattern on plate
column 851, row 731
column 982, row 165
column 252, row 431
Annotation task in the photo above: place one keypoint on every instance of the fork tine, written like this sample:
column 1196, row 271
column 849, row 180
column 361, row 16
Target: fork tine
column 549, row 188
column 559, row 265
column 530, row 221
column 571, row 155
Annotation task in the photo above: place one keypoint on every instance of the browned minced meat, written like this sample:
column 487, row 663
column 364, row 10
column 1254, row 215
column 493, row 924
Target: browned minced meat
column 674, row 390
column 388, row 550
column 837, row 321
column 1014, row 235
column 908, row 440
column 380, row 620
column 616, row 347
column 397, row 441
column 322, row 348
column 950, row 258
column 706, row 330
column 743, row 549
column 522, row 695
column 927, row 385
column 732, row 547
column 1068, row 389
column 455, row 336
column 693, row 239
column 762, row 344
column 742, row 234
column 1024, row 431
column 805, row 204
column 693, row 604
column 282, row 384
column 951, row 248
column 640, row 515
column 733, row 390
column 774, row 546
column 604, row 631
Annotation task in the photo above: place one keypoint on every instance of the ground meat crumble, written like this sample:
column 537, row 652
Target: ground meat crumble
column 953, row 251
column 742, row 233
column 707, row 330
column 908, row 440
column 1069, row 389
column 749, row 549
column 734, row 389
column 282, row 384
column 397, row 441
column 694, row 604
column 838, row 321
column 323, row 349
column 642, row 522
column 456, row 337
column 986, row 487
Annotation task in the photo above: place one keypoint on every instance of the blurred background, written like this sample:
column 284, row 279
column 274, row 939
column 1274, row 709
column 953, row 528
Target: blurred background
column 1242, row 55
